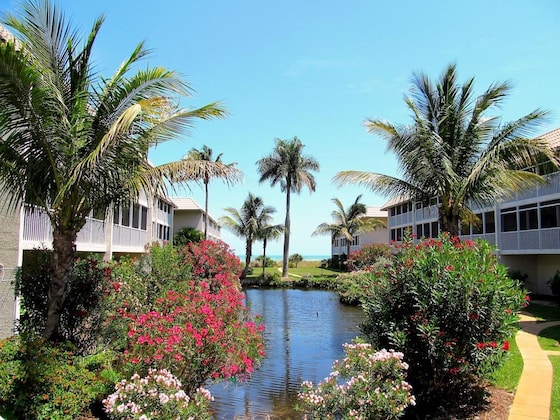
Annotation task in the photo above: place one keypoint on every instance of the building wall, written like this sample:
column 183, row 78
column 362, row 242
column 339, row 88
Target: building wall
column 9, row 260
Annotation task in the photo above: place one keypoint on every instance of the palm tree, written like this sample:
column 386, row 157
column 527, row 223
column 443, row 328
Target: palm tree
column 204, row 168
column 287, row 166
column 245, row 223
column 267, row 232
column 71, row 141
column 454, row 151
column 348, row 223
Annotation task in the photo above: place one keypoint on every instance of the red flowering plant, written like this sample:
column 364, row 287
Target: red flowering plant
column 451, row 307
column 202, row 331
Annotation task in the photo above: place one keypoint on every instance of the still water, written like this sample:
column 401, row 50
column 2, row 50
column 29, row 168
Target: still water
column 305, row 330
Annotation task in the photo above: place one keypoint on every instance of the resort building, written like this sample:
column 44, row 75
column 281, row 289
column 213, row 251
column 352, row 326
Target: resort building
column 525, row 228
column 189, row 214
column 378, row 236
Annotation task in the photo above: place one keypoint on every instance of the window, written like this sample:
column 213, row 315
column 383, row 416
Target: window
column 489, row 222
column 144, row 223
column 125, row 221
column 550, row 214
column 427, row 230
column 419, row 231
column 477, row 227
column 393, row 234
column 435, row 229
column 509, row 219
column 136, row 216
column 465, row 228
column 98, row 214
column 528, row 217
column 392, row 211
column 399, row 209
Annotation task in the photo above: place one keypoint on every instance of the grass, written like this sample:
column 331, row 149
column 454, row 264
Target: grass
column 544, row 313
column 507, row 376
column 549, row 338
column 555, row 398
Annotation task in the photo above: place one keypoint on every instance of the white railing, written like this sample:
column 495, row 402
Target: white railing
column 37, row 233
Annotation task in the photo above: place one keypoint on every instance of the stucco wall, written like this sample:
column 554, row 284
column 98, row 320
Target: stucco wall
column 9, row 242
column 539, row 269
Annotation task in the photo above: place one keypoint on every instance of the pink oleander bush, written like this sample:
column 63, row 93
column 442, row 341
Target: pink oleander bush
column 450, row 307
column 202, row 331
column 158, row 395
column 366, row 384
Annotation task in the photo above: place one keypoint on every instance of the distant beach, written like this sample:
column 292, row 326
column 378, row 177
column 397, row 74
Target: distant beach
column 278, row 257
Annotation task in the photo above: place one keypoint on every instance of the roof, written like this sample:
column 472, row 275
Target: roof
column 187, row 203
column 375, row 212
column 553, row 138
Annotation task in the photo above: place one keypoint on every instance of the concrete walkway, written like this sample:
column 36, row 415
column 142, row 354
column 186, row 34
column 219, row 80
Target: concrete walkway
column 532, row 397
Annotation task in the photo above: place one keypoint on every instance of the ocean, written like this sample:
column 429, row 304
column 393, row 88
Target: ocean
column 278, row 257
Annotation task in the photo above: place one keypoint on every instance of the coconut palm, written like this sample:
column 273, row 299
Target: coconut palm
column 348, row 222
column 71, row 141
column 245, row 223
column 454, row 151
column 287, row 166
column 267, row 232
column 204, row 168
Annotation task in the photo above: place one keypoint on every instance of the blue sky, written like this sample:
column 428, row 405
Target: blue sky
column 317, row 70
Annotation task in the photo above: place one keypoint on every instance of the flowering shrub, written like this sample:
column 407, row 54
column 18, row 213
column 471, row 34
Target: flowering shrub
column 202, row 331
column 159, row 395
column 367, row 256
column 208, row 258
column 451, row 307
column 365, row 385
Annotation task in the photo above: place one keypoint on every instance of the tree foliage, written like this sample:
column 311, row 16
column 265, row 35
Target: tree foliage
column 455, row 151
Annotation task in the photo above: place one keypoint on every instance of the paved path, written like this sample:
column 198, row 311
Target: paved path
column 532, row 397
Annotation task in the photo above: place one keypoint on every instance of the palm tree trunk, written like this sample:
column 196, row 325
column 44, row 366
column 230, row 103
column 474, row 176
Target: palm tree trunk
column 348, row 245
column 286, row 234
column 206, row 211
column 61, row 265
column 449, row 223
column 248, row 252
column 264, row 255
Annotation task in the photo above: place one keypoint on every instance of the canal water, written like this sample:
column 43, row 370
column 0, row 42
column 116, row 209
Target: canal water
column 305, row 330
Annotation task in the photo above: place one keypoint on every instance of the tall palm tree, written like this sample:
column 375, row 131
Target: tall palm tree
column 287, row 166
column 267, row 232
column 454, row 151
column 204, row 168
column 348, row 222
column 71, row 141
column 245, row 223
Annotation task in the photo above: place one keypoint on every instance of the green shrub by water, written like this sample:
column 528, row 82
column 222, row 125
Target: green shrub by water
column 450, row 308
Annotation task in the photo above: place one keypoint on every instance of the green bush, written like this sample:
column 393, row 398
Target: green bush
column 82, row 314
column 554, row 284
column 41, row 380
column 367, row 256
column 450, row 307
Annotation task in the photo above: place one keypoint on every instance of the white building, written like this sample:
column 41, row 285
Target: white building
column 377, row 236
column 189, row 214
column 525, row 228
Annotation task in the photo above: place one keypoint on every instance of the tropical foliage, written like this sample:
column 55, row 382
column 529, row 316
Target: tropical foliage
column 455, row 151
column 348, row 222
column 450, row 306
column 203, row 168
column 288, row 167
column 247, row 223
column 72, row 141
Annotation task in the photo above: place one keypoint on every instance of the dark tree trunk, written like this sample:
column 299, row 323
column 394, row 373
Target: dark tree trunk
column 248, row 252
column 62, row 261
column 286, row 234
column 264, row 255
column 449, row 223
column 206, row 210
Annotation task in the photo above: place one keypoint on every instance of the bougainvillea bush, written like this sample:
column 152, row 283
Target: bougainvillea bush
column 366, row 384
column 450, row 307
column 202, row 331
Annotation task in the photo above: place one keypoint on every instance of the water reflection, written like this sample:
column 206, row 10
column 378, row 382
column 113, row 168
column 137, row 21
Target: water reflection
column 304, row 335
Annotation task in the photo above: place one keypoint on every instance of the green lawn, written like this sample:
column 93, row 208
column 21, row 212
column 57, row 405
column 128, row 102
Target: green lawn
column 507, row 376
column 555, row 399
